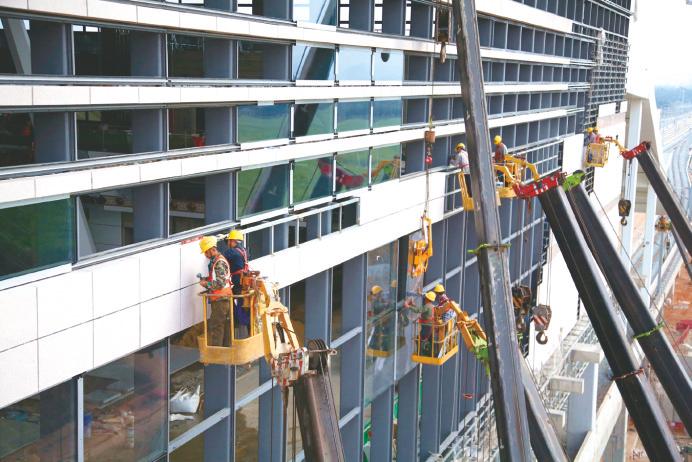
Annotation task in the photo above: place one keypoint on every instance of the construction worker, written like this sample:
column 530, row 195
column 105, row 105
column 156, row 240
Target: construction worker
column 499, row 157
column 426, row 319
column 590, row 136
column 460, row 158
column 237, row 257
column 597, row 135
column 219, row 289
column 440, row 295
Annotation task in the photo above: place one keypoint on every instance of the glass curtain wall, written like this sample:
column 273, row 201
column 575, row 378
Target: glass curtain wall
column 36, row 236
column 262, row 190
column 353, row 115
column 313, row 119
column 312, row 179
column 313, row 63
column 386, row 163
column 104, row 133
column 352, row 170
column 262, row 123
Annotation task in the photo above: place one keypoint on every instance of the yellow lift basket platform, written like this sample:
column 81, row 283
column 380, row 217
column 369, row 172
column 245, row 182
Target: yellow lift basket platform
column 512, row 172
column 420, row 251
column 596, row 154
column 435, row 342
column 239, row 351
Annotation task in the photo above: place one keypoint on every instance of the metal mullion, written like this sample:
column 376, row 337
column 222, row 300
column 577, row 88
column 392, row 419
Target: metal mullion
column 80, row 418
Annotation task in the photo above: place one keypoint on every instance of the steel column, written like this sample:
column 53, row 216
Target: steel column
column 544, row 442
column 655, row 345
column 634, row 387
column 505, row 360
column 667, row 198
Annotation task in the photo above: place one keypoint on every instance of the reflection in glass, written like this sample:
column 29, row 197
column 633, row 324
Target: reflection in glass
column 353, row 115
column 186, row 128
column 247, row 432
column 380, row 329
column 316, row 11
column 262, row 189
column 125, row 401
column 354, row 63
column 186, row 204
column 192, row 450
column 386, row 113
column 313, row 63
column 337, row 305
column 386, row 162
column 23, row 251
column 352, row 170
column 389, row 65
column 408, row 315
column 312, row 179
column 313, row 119
column 110, row 220
column 16, row 139
column 259, row 123
column 101, row 51
column 187, row 380
column 185, row 56
column 41, row 427
column 104, row 133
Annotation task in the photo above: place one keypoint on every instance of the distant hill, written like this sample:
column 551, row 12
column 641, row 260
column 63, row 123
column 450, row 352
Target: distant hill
column 666, row 97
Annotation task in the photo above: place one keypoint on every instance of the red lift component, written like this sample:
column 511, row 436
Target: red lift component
column 535, row 189
column 635, row 151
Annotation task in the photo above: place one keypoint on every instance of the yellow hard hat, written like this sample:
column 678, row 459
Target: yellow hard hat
column 235, row 235
column 439, row 288
column 430, row 296
column 206, row 243
column 375, row 290
column 497, row 139
column 589, row 130
column 460, row 146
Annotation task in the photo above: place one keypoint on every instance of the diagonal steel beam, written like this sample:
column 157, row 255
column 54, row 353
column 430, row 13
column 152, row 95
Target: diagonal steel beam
column 498, row 312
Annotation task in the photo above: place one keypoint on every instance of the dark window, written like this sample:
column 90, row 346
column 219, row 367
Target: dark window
column 41, row 427
column 186, row 128
column 101, row 51
column 16, row 139
column 186, row 204
column 185, row 56
column 104, row 133
column 258, row 60
column 313, row 119
column 25, row 251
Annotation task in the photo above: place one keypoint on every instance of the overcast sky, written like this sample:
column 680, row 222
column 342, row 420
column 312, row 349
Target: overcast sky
column 667, row 41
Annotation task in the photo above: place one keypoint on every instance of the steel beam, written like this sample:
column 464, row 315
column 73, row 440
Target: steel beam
column 667, row 198
column 545, row 443
column 655, row 345
column 634, row 387
column 504, row 357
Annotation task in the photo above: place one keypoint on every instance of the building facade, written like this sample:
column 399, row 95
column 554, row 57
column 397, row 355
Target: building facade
column 132, row 128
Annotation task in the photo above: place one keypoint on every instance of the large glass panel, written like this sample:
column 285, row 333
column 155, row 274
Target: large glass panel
column 258, row 60
column 16, row 139
column 386, row 162
column 337, row 302
column 313, row 63
column 381, row 335
column 386, row 113
column 186, row 128
column 186, row 204
column 185, row 56
column 36, row 236
column 312, row 179
column 354, row 63
column 104, row 133
column 313, row 119
column 317, row 11
column 407, row 315
column 101, row 51
column 352, row 170
column 389, row 65
column 186, row 394
column 353, row 115
column 110, row 220
column 262, row 189
column 259, row 123
column 125, row 403
column 42, row 427
column 247, row 432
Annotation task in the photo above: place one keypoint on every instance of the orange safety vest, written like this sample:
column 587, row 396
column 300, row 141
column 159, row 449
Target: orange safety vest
column 245, row 267
column 226, row 290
